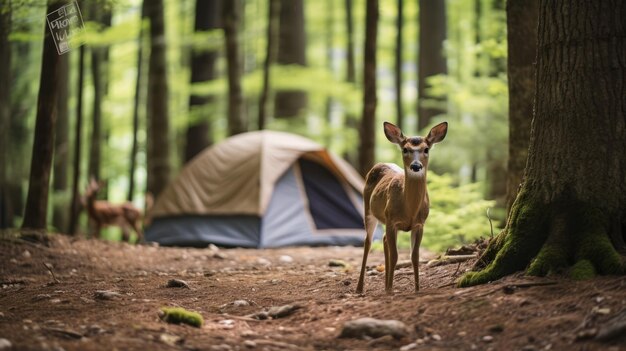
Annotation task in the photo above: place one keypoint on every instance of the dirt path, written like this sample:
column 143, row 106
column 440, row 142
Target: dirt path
column 37, row 314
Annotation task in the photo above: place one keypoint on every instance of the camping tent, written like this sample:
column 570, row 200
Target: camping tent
column 261, row 189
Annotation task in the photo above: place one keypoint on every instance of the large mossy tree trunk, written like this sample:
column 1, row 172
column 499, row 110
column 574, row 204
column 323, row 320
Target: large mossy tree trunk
column 522, row 16
column 570, row 214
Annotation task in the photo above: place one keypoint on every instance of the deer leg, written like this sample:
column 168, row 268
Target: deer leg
column 370, row 225
column 416, row 240
column 392, row 250
column 125, row 233
column 139, row 232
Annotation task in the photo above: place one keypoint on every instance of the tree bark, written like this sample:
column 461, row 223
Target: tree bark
column 139, row 92
column 291, row 51
column 6, row 213
column 157, row 107
column 522, row 17
column 367, row 137
column 399, row 26
column 96, row 121
column 199, row 134
column 432, row 17
column 75, row 205
column 570, row 214
column 236, row 118
column 350, row 66
column 43, row 144
column 270, row 54
column 61, row 148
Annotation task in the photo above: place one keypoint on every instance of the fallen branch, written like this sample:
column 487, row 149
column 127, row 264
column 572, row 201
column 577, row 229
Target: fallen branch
column 65, row 333
column 49, row 268
column 444, row 260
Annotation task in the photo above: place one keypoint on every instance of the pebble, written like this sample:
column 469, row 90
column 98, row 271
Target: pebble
column 221, row 347
column 177, row 283
column 26, row 254
column 249, row 344
column 241, row 303
column 106, row 294
column 411, row 346
column 285, row 259
column 374, row 328
column 263, row 261
column 487, row 338
column 5, row 344
column 436, row 337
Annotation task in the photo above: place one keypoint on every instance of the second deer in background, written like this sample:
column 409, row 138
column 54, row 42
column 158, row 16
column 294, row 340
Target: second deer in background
column 398, row 198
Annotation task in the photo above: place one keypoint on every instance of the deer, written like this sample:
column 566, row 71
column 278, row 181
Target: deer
column 398, row 198
column 103, row 213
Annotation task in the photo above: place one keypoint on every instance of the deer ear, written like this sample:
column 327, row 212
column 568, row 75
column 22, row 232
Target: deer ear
column 437, row 133
column 393, row 133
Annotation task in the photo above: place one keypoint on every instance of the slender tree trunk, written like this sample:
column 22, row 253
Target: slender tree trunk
column 61, row 148
column 367, row 137
column 139, row 94
column 270, row 54
column 236, row 118
column 570, row 214
column 157, row 109
column 96, row 125
column 522, row 17
column 399, row 26
column 199, row 133
column 432, row 17
column 6, row 213
column 350, row 66
column 43, row 144
column 291, row 51
column 75, row 205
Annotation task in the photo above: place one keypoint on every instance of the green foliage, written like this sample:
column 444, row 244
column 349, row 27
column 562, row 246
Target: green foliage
column 457, row 215
column 178, row 315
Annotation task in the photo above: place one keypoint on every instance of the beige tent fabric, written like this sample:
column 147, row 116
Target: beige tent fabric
column 238, row 175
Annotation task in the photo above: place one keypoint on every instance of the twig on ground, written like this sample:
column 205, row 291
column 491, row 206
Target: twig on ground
column 65, row 333
column 49, row 268
column 450, row 259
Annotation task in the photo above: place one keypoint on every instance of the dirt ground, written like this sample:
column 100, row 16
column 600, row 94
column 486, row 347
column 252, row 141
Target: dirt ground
column 37, row 313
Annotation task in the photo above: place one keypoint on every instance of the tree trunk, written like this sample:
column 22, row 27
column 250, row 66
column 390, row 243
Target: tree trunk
column 399, row 25
column 270, row 53
column 432, row 17
column 350, row 66
column 199, row 134
column 43, row 144
column 75, row 205
column 157, row 107
column 139, row 92
column 61, row 148
column 367, row 137
column 6, row 214
column 291, row 51
column 570, row 213
column 236, row 120
column 522, row 19
column 96, row 126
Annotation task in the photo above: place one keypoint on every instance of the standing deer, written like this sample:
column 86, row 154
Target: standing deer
column 398, row 198
column 103, row 213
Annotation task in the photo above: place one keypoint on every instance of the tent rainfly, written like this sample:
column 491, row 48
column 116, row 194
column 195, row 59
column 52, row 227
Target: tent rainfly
column 261, row 189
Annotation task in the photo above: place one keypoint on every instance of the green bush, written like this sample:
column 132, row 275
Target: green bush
column 457, row 215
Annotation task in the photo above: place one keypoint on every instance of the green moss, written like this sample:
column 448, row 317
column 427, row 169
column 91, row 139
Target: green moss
column 548, row 261
column 582, row 270
column 178, row 315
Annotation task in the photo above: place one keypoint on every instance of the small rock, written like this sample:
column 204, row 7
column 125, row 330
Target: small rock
column 249, row 344
column 411, row 346
column 26, row 254
column 373, row 272
column 461, row 333
column 602, row 311
column 599, row 299
column 95, row 329
column 285, row 259
column 346, row 282
column 177, row 283
column 55, row 301
column 219, row 256
column 227, row 323
column 586, row 334
column 171, row 340
column 213, row 247
column 374, row 328
column 5, row 344
column 241, row 303
column 263, row 261
column 106, row 294
column 487, row 338
column 40, row 297
column 337, row 263
column 436, row 337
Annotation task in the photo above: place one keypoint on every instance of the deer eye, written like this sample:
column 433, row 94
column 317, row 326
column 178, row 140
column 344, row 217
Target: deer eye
column 426, row 151
column 405, row 150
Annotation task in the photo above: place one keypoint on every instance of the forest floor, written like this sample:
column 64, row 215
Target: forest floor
column 48, row 301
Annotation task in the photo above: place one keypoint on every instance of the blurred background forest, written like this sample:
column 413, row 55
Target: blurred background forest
column 164, row 79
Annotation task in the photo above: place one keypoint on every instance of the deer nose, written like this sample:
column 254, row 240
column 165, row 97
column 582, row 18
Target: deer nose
column 416, row 167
